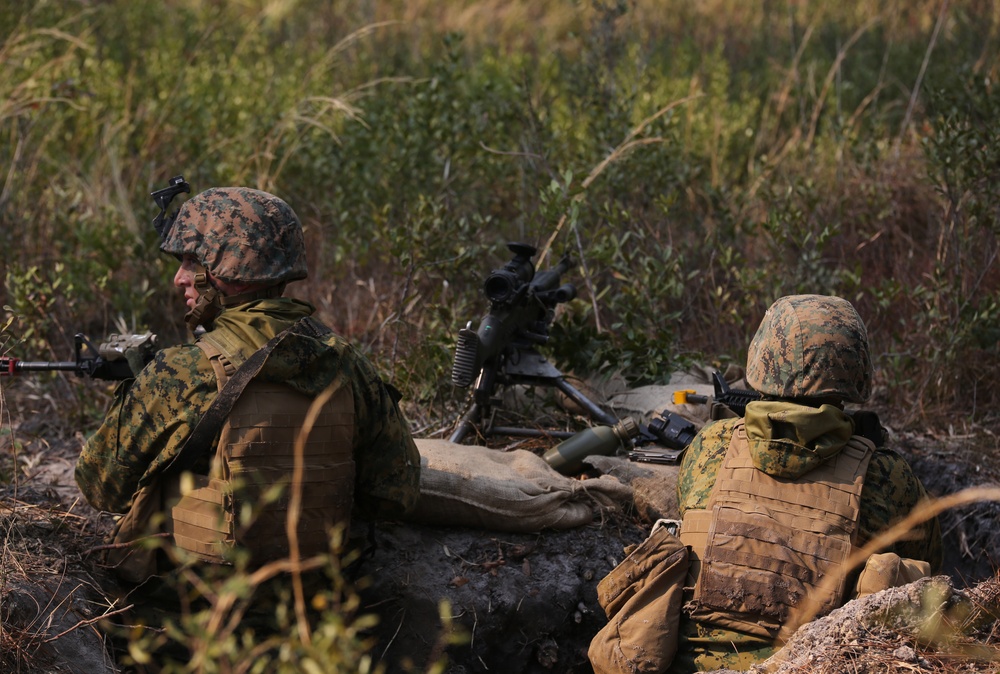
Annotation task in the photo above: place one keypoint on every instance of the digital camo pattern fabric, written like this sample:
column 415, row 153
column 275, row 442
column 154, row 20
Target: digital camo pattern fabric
column 240, row 235
column 811, row 346
column 890, row 492
column 152, row 416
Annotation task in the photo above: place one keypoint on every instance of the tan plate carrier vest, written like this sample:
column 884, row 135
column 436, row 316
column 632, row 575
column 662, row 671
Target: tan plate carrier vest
column 238, row 503
column 763, row 544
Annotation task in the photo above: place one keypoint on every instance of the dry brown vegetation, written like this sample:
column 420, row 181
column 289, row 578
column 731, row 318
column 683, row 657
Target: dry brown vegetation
column 697, row 159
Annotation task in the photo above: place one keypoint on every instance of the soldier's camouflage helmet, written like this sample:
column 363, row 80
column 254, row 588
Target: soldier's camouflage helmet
column 811, row 346
column 240, row 235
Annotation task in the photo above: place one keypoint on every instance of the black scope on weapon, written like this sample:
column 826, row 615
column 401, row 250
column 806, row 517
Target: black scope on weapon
column 507, row 284
column 672, row 430
column 522, row 306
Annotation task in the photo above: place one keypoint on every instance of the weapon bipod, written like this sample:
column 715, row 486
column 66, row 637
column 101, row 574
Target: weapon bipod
column 530, row 368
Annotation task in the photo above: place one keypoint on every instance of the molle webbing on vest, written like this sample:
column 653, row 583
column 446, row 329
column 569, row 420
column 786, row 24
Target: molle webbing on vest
column 260, row 456
column 770, row 541
column 256, row 452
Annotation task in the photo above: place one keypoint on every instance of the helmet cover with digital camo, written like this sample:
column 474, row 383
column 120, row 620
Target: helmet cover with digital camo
column 240, row 235
column 237, row 235
column 811, row 346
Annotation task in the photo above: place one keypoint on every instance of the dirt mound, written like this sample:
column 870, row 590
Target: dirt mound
column 50, row 603
column 926, row 626
column 524, row 602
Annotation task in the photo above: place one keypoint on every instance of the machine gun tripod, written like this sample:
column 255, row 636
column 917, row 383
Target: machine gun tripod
column 526, row 366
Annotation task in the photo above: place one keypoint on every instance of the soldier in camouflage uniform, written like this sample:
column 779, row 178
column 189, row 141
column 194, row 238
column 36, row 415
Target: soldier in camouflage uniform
column 237, row 248
column 809, row 356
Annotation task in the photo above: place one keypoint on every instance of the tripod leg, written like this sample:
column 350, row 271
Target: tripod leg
column 586, row 403
column 466, row 423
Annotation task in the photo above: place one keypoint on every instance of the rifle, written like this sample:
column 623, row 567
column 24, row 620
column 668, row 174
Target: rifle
column 735, row 400
column 503, row 350
column 676, row 432
column 106, row 361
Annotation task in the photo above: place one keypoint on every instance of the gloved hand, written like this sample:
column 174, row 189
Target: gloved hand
column 137, row 350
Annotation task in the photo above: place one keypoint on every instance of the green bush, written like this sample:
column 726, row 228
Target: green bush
column 697, row 161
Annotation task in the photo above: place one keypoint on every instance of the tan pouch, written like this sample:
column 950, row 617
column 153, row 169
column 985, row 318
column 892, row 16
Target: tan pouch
column 642, row 598
column 134, row 560
column 887, row 570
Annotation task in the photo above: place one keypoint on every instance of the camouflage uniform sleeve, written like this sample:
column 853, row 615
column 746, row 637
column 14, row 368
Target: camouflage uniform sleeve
column 146, row 425
column 701, row 463
column 387, row 482
column 890, row 492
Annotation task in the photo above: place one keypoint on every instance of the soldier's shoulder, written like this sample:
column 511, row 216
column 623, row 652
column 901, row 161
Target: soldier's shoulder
column 184, row 361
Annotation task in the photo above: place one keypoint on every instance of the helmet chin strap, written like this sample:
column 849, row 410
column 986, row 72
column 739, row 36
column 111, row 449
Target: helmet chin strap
column 211, row 301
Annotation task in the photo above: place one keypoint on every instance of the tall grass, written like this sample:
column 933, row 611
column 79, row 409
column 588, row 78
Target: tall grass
column 698, row 159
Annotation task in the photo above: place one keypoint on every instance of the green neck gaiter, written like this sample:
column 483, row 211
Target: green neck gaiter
column 788, row 440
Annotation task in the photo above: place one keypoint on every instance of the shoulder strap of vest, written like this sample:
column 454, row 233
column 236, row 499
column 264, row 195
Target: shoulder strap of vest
column 220, row 363
column 208, row 426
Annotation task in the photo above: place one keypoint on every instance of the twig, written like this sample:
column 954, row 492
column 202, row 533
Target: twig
column 507, row 153
column 831, row 76
column 616, row 154
column 920, row 75
column 394, row 634
column 926, row 511
column 89, row 621
column 120, row 546
column 295, row 507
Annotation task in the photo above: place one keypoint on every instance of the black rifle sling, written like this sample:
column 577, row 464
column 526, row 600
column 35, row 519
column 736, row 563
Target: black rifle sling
column 211, row 423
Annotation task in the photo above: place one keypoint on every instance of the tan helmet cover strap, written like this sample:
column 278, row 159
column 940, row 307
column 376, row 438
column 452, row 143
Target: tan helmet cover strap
column 208, row 304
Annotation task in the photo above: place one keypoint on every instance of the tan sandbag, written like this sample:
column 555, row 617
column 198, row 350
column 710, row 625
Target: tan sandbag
column 516, row 491
column 644, row 402
column 887, row 570
column 642, row 598
column 654, row 486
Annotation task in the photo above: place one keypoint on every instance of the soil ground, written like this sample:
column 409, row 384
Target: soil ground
column 525, row 602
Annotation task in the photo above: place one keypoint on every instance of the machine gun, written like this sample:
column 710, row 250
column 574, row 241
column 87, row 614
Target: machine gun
column 106, row 361
column 503, row 350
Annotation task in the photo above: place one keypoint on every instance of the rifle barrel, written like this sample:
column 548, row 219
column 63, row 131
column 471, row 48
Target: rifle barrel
column 13, row 366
